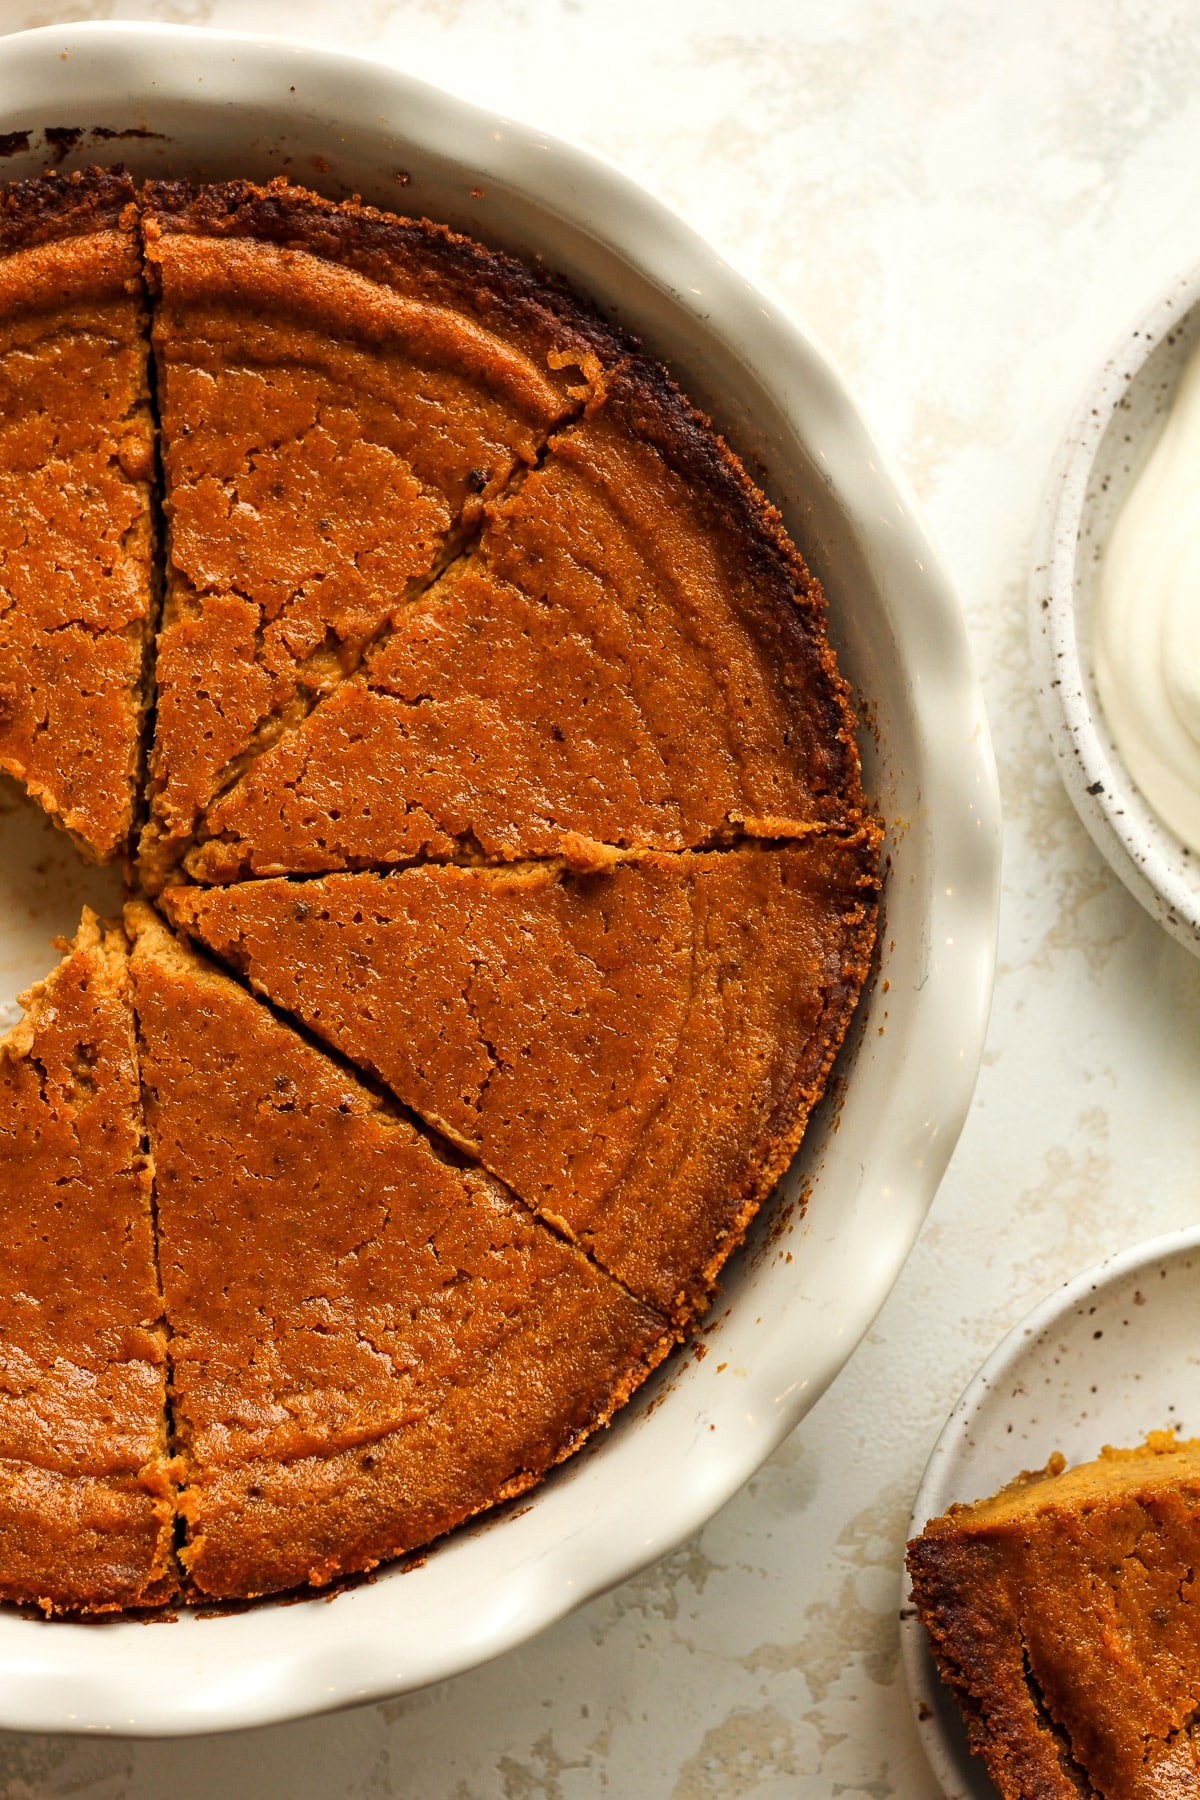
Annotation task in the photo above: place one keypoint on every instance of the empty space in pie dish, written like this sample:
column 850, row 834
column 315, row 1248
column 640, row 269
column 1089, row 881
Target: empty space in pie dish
column 1106, row 1359
column 801, row 1295
column 1114, row 430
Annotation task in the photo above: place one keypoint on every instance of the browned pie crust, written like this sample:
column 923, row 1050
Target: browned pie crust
column 339, row 393
column 1064, row 1614
column 85, row 1489
column 76, row 460
column 393, row 1343
column 634, row 1050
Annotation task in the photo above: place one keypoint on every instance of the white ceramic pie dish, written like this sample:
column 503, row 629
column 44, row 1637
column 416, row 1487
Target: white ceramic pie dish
column 1110, row 437
column 1109, row 1357
column 800, row 1297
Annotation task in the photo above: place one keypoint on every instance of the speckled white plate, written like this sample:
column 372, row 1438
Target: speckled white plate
column 1111, row 435
column 800, row 1297
column 1106, row 1359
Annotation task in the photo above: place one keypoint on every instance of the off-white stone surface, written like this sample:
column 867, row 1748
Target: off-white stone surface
column 967, row 203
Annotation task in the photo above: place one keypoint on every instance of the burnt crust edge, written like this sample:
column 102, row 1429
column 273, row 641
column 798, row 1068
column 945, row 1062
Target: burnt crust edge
column 406, row 254
column 47, row 208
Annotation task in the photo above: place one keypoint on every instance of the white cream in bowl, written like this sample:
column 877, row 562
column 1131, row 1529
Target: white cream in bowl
column 1147, row 632
column 1113, row 611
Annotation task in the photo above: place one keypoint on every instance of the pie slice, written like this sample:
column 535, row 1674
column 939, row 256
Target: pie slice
column 340, row 392
column 1064, row 1614
column 76, row 460
column 369, row 1343
column 635, row 1050
column 85, row 1474
column 634, row 654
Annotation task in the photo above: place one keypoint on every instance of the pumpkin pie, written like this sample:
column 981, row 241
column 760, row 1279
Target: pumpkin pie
column 497, row 730
column 85, row 1471
column 634, row 653
column 340, row 393
column 76, row 462
column 368, row 1342
column 1064, row 1614
column 633, row 1049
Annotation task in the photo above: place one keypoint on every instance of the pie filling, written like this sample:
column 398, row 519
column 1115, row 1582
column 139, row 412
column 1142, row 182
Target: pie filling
column 77, row 588
column 686, row 1003
column 498, row 756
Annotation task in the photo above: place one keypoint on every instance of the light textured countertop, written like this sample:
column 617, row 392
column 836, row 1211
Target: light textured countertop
column 967, row 203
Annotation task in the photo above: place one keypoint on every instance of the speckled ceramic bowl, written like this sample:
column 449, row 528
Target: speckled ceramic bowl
column 1104, row 1360
column 799, row 1298
column 1112, row 433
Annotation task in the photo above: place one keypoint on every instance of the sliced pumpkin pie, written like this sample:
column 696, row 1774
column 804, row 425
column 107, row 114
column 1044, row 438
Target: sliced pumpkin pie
column 85, row 1474
column 369, row 1344
column 76, row 460
column 1064, row 1614
column 340, row 392
column 635, row 1050
column 634, row 653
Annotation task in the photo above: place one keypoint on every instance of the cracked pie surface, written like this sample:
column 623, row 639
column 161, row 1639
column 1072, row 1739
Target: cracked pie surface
column 501, row 882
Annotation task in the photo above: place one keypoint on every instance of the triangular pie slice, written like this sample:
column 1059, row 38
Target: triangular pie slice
column 1063, row 1615
column 368, row 1343
column 634, row 1051
column 76, row 460
column 86, row 1519
column 340, row 391
column 635, row 654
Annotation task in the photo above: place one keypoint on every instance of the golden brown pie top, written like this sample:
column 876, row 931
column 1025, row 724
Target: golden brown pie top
column 85, row 1515
column 464, row 601
column 76, row 457
column 1064, row 1613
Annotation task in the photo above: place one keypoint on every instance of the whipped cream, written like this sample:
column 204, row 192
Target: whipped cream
column 1147, row 630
